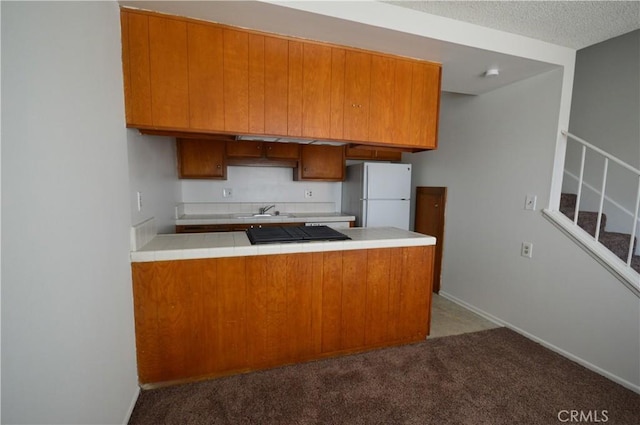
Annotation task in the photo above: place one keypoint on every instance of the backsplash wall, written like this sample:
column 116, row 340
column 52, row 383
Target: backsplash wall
column 260, row 184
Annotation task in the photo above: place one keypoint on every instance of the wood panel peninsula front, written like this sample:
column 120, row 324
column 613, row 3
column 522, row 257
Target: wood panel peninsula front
column 208, row 305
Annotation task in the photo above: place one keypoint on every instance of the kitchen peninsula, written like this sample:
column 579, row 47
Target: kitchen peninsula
column 212, row 304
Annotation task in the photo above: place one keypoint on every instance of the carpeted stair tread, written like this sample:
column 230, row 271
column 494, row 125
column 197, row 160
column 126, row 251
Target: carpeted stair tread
column 568, row 201
column 618, row 243
column 588, row 220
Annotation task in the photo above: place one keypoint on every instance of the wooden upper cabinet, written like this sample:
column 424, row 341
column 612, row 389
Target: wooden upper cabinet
column 337, row 93
column 135, row 67
column 275, row 150
column 372, row 154
column 201, row 159
column 432, row 81
column 258, row 149
column 236, row 81
column 295, row 90
column 276, row 85
column 381, row 112
column 316, row 91
column 191, row 76
column 357, row 92
column 155, row 71
column 245, row 149
column 169, row 72
column 206, row 88
column 401, row 101
column 320, row 162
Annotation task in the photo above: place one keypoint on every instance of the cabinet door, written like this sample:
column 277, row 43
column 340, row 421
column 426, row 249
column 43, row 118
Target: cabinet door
column 431, row 104
column 425, row 101
column 321, row 162
column 337, row 93
column 169, row 77
column 236, row 81
column 206, row 89
column 245, row 149
column 135, row 68
column 356, row 153
column 256, row 84
column 373, row 154
column 294, row 112
column 382, row 155
column 201, row 159
column 401, row 101
column 282, row 150
column 357, row 89
column 276, row 85
column 381, row 112
column 316, row 91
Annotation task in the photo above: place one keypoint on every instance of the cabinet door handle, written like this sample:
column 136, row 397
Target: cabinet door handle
column 219, row 166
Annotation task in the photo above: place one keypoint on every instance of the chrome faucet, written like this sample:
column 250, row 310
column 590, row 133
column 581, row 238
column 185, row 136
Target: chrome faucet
column 263, row 210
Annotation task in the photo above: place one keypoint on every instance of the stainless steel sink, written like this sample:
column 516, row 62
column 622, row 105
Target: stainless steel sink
column 263, row 216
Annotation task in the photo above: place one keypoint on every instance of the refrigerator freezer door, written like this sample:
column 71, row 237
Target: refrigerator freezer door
column 387, row 181
column 394, row 213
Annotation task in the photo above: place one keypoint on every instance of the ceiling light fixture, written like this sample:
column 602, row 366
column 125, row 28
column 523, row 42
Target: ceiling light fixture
column 492, row 72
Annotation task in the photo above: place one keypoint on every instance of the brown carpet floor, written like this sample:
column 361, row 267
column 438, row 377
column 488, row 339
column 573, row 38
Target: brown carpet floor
column 490, row 377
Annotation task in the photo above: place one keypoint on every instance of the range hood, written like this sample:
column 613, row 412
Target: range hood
column 289, row 140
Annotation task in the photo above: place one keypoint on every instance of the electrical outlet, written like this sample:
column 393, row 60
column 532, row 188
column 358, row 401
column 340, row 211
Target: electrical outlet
column 308, row 194
column 139, row 200
column 530, row 202
column 527, row 249
column 227, row 193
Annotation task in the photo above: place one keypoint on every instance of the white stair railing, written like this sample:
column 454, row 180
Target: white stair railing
column 607, row 157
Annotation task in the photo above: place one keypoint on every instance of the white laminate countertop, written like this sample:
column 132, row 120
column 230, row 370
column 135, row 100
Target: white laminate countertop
column 235, row 218
column 236, row 244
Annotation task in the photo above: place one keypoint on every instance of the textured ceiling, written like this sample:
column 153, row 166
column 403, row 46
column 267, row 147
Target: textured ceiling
column 574, row 24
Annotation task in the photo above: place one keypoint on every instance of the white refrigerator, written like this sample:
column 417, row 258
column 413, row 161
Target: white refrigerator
column 378, row 194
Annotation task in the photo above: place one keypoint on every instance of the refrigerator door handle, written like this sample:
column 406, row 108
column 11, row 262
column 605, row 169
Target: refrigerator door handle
column 366, row 180
column 364, row 213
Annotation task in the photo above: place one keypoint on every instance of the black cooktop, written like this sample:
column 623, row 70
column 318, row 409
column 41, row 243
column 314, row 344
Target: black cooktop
column 281, row 234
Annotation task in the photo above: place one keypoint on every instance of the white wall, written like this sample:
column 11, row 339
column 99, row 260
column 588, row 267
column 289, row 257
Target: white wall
column 494, row 149
column 68, row 350
column 153, row 172
column 260, row 184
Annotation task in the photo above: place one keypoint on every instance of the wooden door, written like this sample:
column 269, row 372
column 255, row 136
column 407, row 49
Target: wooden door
column 429, row 220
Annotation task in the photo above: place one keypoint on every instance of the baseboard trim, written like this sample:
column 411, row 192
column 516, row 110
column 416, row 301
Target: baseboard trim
column 134, row 400
column 630, row 385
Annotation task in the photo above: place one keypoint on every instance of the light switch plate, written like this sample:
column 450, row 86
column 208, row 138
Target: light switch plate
column 227, row 192
column 530, row 202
